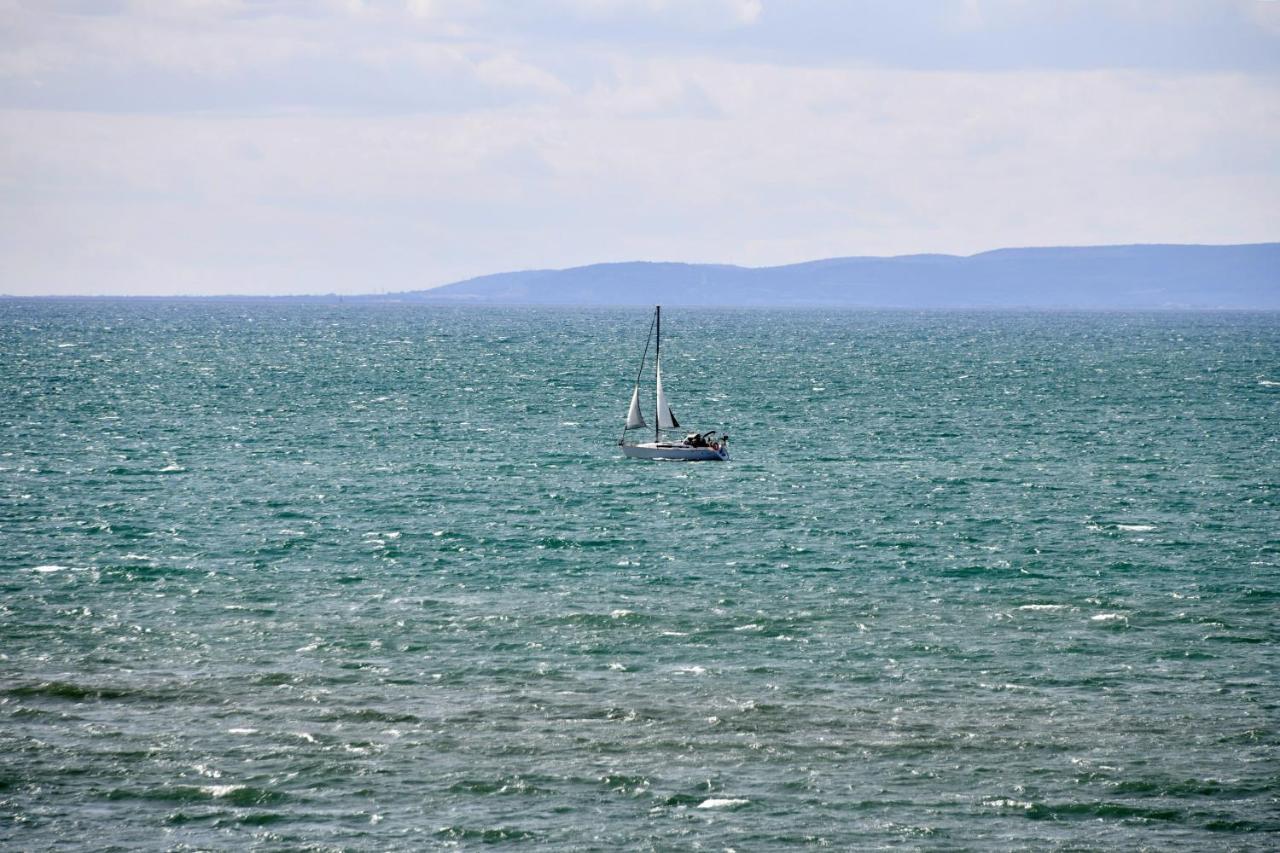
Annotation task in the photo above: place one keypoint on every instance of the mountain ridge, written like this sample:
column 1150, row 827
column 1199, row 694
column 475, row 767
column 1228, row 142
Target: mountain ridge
column 1161, row 275
column 1126, row 276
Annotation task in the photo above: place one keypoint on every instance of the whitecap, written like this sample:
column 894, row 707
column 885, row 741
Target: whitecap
column 48, row 569
column 691, row 670
column 1269, row 383
column 723, row 803
column 620, row 613
column 1047, row 607
column 1008, row 804
column 220, row 790
column 1136, row 528
column 242, row 731
column 1109, row 617
column 618, row 667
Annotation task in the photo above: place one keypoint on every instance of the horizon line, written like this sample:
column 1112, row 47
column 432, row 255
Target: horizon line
column 392, row 293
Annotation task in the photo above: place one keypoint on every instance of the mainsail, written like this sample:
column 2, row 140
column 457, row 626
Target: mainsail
column 635, row 420
column 666, row 417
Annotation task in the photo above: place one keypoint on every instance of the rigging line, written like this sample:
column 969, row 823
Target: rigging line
column 648, row 340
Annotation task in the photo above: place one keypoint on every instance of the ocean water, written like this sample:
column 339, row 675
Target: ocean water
column 377, row 577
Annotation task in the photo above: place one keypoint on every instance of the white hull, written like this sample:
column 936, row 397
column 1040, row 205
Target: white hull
column 683, row 452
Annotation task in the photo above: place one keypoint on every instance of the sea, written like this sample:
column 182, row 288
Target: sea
column 286, row 576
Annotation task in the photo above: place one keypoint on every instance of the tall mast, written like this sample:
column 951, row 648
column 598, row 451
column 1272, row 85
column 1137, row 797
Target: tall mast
column 644, row 357
column 657, row 360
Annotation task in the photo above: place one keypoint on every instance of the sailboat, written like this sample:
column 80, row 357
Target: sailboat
column 694, row 447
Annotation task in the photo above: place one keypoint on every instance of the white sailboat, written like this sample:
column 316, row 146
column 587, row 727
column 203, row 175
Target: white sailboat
column 694, row 447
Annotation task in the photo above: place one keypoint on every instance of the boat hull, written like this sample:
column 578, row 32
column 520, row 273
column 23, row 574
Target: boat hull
column 678, row 452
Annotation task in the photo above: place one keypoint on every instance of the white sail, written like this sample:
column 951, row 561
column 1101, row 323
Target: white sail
column 634, row 418
column 666, row 417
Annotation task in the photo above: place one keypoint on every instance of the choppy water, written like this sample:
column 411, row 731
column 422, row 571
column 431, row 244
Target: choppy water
column 376, row 578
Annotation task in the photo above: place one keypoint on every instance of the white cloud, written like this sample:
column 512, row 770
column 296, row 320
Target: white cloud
column 793, row 164
column 678, row 12
column 357, row 146
column 1266, row 14
column 506, row 71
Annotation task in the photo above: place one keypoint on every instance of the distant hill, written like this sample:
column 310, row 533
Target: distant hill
column 1143, row 276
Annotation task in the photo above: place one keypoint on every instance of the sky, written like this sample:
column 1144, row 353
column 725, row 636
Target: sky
column 193, row 147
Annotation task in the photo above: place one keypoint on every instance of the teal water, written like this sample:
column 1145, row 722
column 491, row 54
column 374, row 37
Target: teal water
column 376, row 577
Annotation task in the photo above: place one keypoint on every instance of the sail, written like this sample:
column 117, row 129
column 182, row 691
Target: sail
column 634, row 418
column 666, row 417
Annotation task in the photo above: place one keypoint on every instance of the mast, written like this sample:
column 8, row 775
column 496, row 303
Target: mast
column 635, row 393
column 657, row 360
column 666, row 418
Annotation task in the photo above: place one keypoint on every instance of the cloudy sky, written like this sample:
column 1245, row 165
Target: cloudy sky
column 311, row 146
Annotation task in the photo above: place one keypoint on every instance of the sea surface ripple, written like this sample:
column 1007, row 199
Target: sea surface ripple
column 324, row 577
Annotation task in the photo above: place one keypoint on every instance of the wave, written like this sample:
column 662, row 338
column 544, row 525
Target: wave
column 1103, row 809
column 501, row 786
column 723, row 803
column 238, row 795
column 494, row 835
column 368, row 715
column 82, row 692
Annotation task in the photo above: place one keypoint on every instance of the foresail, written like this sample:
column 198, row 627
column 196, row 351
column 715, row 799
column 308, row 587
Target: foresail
column 666, row 417
column 635, row 420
